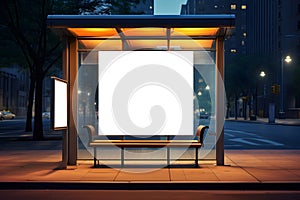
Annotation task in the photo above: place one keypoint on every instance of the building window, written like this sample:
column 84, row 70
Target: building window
column 243, row 43
column 233, row 6
column 233, row 50
column 244, row 34
column 244, row 7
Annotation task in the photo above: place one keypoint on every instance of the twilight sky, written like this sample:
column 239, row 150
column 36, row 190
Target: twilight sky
column 168, row 7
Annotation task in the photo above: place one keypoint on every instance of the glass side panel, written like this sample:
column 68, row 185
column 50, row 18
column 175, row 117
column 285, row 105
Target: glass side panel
column 204, row 108
column 204, row 86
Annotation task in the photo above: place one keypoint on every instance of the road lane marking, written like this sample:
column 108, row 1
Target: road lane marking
column 239, row 132
column 228, row 134
column 271, row 142
column 260, row 141
column 242, row 140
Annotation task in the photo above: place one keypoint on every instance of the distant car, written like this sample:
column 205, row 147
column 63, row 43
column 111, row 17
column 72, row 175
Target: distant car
column 46, row 115
column 7, row 115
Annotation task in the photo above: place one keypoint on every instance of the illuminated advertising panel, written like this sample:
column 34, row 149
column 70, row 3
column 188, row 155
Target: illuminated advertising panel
column 59, row 110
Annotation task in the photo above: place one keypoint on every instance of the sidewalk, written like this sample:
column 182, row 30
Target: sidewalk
column 290, row 122
column 261, row 167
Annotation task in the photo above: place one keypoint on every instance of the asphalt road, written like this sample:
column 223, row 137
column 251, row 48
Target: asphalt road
column 245, row 135
column 238, row 135
column 15, row 128
column 12, row 132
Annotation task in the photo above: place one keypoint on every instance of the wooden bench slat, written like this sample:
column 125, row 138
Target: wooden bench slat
column 144, row 141
column 143, row 144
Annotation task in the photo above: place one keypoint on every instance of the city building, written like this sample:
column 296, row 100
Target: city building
column 289, row 45
column 14, row 90
column 14, row 87
column 266, row 31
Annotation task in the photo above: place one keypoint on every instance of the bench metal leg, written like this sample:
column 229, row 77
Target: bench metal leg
column 122, row 157
column 95, row 156
column 168, row 156
column 196, row 157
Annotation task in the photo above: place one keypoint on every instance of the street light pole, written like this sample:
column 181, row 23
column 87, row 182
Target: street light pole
column 287, row 59
column 262, row 75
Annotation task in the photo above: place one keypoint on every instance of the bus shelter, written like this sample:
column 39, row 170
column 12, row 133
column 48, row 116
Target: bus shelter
column 202, row 36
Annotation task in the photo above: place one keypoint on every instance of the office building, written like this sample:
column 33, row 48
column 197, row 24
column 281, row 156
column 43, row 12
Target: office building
column 267, row 30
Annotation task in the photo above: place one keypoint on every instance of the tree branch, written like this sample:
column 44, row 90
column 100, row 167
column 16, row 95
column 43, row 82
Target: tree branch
column 17, row 13
column 54, row 48
column 51, row 64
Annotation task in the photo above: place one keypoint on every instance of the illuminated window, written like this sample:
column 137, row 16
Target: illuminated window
column 233, row 7
column 243, row 42
column 244, row 34
column 244, row 7
column 233, row 50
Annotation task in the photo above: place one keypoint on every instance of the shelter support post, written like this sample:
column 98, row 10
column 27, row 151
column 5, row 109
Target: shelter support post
column 220, row 101
column 65, row 64
column 72, row 69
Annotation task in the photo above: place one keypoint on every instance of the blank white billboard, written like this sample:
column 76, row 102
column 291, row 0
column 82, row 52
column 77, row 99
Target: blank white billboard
column 145, row 93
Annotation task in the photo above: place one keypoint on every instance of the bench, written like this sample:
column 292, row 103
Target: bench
column 145, row 143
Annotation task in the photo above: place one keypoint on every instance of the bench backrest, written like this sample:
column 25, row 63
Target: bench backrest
column 91, row 132
column 200, row 132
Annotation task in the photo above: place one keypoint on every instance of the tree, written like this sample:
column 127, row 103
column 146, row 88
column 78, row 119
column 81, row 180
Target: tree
column 242, row 73
column 242, row 77
column 97, row 7
column 125, row 7
column 24, row 23
column 83, row 7
column 27, row 41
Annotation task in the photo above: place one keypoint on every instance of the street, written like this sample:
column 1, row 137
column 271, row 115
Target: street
column 238, row 135
column 245, row 135
column 12, row 132
column 15, row 128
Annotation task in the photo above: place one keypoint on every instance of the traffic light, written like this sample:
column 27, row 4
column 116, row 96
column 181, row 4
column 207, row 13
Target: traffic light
column 277, row 89
column 273, row 89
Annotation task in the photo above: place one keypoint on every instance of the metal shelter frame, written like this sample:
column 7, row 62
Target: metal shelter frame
column 75, row 28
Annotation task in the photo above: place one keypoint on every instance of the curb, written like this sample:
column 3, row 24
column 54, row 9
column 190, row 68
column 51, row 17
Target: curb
column 147, row 186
